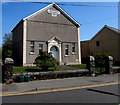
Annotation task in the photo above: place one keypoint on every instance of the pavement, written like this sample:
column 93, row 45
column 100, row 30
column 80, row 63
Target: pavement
column 40, row 85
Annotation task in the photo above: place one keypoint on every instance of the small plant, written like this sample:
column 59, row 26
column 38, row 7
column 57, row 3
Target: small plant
column 45, row 60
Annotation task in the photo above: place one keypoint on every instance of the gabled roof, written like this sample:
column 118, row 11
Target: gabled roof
column 47, row 7
column 111, row 28
column 57, row 7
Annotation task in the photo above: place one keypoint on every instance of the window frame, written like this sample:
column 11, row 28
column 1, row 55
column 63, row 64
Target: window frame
column 66, row 50
column 40, row 48
column 32, row 47
column 97, row 43
column 73, row 48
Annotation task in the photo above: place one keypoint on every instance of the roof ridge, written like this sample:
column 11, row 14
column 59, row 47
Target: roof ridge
column 113, row 29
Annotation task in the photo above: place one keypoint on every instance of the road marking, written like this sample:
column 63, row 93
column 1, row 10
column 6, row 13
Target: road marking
column 66, row 89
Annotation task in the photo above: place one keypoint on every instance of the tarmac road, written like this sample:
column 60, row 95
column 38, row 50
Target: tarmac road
column 95, row 94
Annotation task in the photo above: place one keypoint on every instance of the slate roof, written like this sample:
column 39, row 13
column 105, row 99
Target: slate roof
column 113, row 29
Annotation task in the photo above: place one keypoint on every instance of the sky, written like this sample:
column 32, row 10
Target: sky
column 92, row 19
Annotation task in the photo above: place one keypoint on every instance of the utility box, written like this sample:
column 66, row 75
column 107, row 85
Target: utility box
column 27, row 78
column 90, row 64
column 108, row 64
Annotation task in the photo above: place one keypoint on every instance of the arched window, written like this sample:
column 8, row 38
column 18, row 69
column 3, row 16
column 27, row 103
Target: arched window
column 53, row 48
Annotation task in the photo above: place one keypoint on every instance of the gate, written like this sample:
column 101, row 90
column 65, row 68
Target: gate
column 104, row 67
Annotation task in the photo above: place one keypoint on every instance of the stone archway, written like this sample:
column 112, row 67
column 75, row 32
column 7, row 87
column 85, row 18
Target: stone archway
column 54, row 46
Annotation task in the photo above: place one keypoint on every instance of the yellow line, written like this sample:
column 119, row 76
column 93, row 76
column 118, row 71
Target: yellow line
column 66, row 89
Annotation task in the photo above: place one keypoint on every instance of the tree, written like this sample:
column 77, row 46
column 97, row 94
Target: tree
column 46, row 60
column 7, row 46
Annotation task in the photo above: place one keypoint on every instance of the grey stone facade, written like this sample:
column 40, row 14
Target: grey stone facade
column 51, row 27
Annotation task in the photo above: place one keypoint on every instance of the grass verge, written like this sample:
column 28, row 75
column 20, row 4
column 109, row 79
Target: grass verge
column 35, row 69
column 81, row 66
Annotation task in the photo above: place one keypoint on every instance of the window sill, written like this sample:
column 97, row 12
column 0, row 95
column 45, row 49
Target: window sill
column 67, row 55
column 32, row 53
column 73, row 53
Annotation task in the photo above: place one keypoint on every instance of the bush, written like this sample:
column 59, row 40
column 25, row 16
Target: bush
column 46, row 60
column 100, row 59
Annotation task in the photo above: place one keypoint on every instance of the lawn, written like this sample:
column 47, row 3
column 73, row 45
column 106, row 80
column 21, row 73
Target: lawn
column 116, row 65
column 38, row 69
column 35, row 69
column 58, row 68
column 100, row 69
column 81, row 66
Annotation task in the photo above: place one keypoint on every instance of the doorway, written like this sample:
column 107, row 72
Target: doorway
column 55, row 52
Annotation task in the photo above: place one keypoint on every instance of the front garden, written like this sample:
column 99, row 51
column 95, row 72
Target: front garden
column 35, row 69
column 38, row 69
column 25, row 74
column 46, row 62
column 47, row 67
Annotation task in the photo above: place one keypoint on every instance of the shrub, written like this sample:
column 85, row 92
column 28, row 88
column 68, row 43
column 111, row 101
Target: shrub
column 46, row 60
column 100, row 59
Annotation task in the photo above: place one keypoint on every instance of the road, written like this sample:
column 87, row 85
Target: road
column 95, row 94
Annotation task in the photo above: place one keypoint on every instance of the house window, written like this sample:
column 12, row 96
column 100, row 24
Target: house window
column 40, row 48
column 32, row 46
column 97, row 43
column 66, row 50
column 73, row 47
